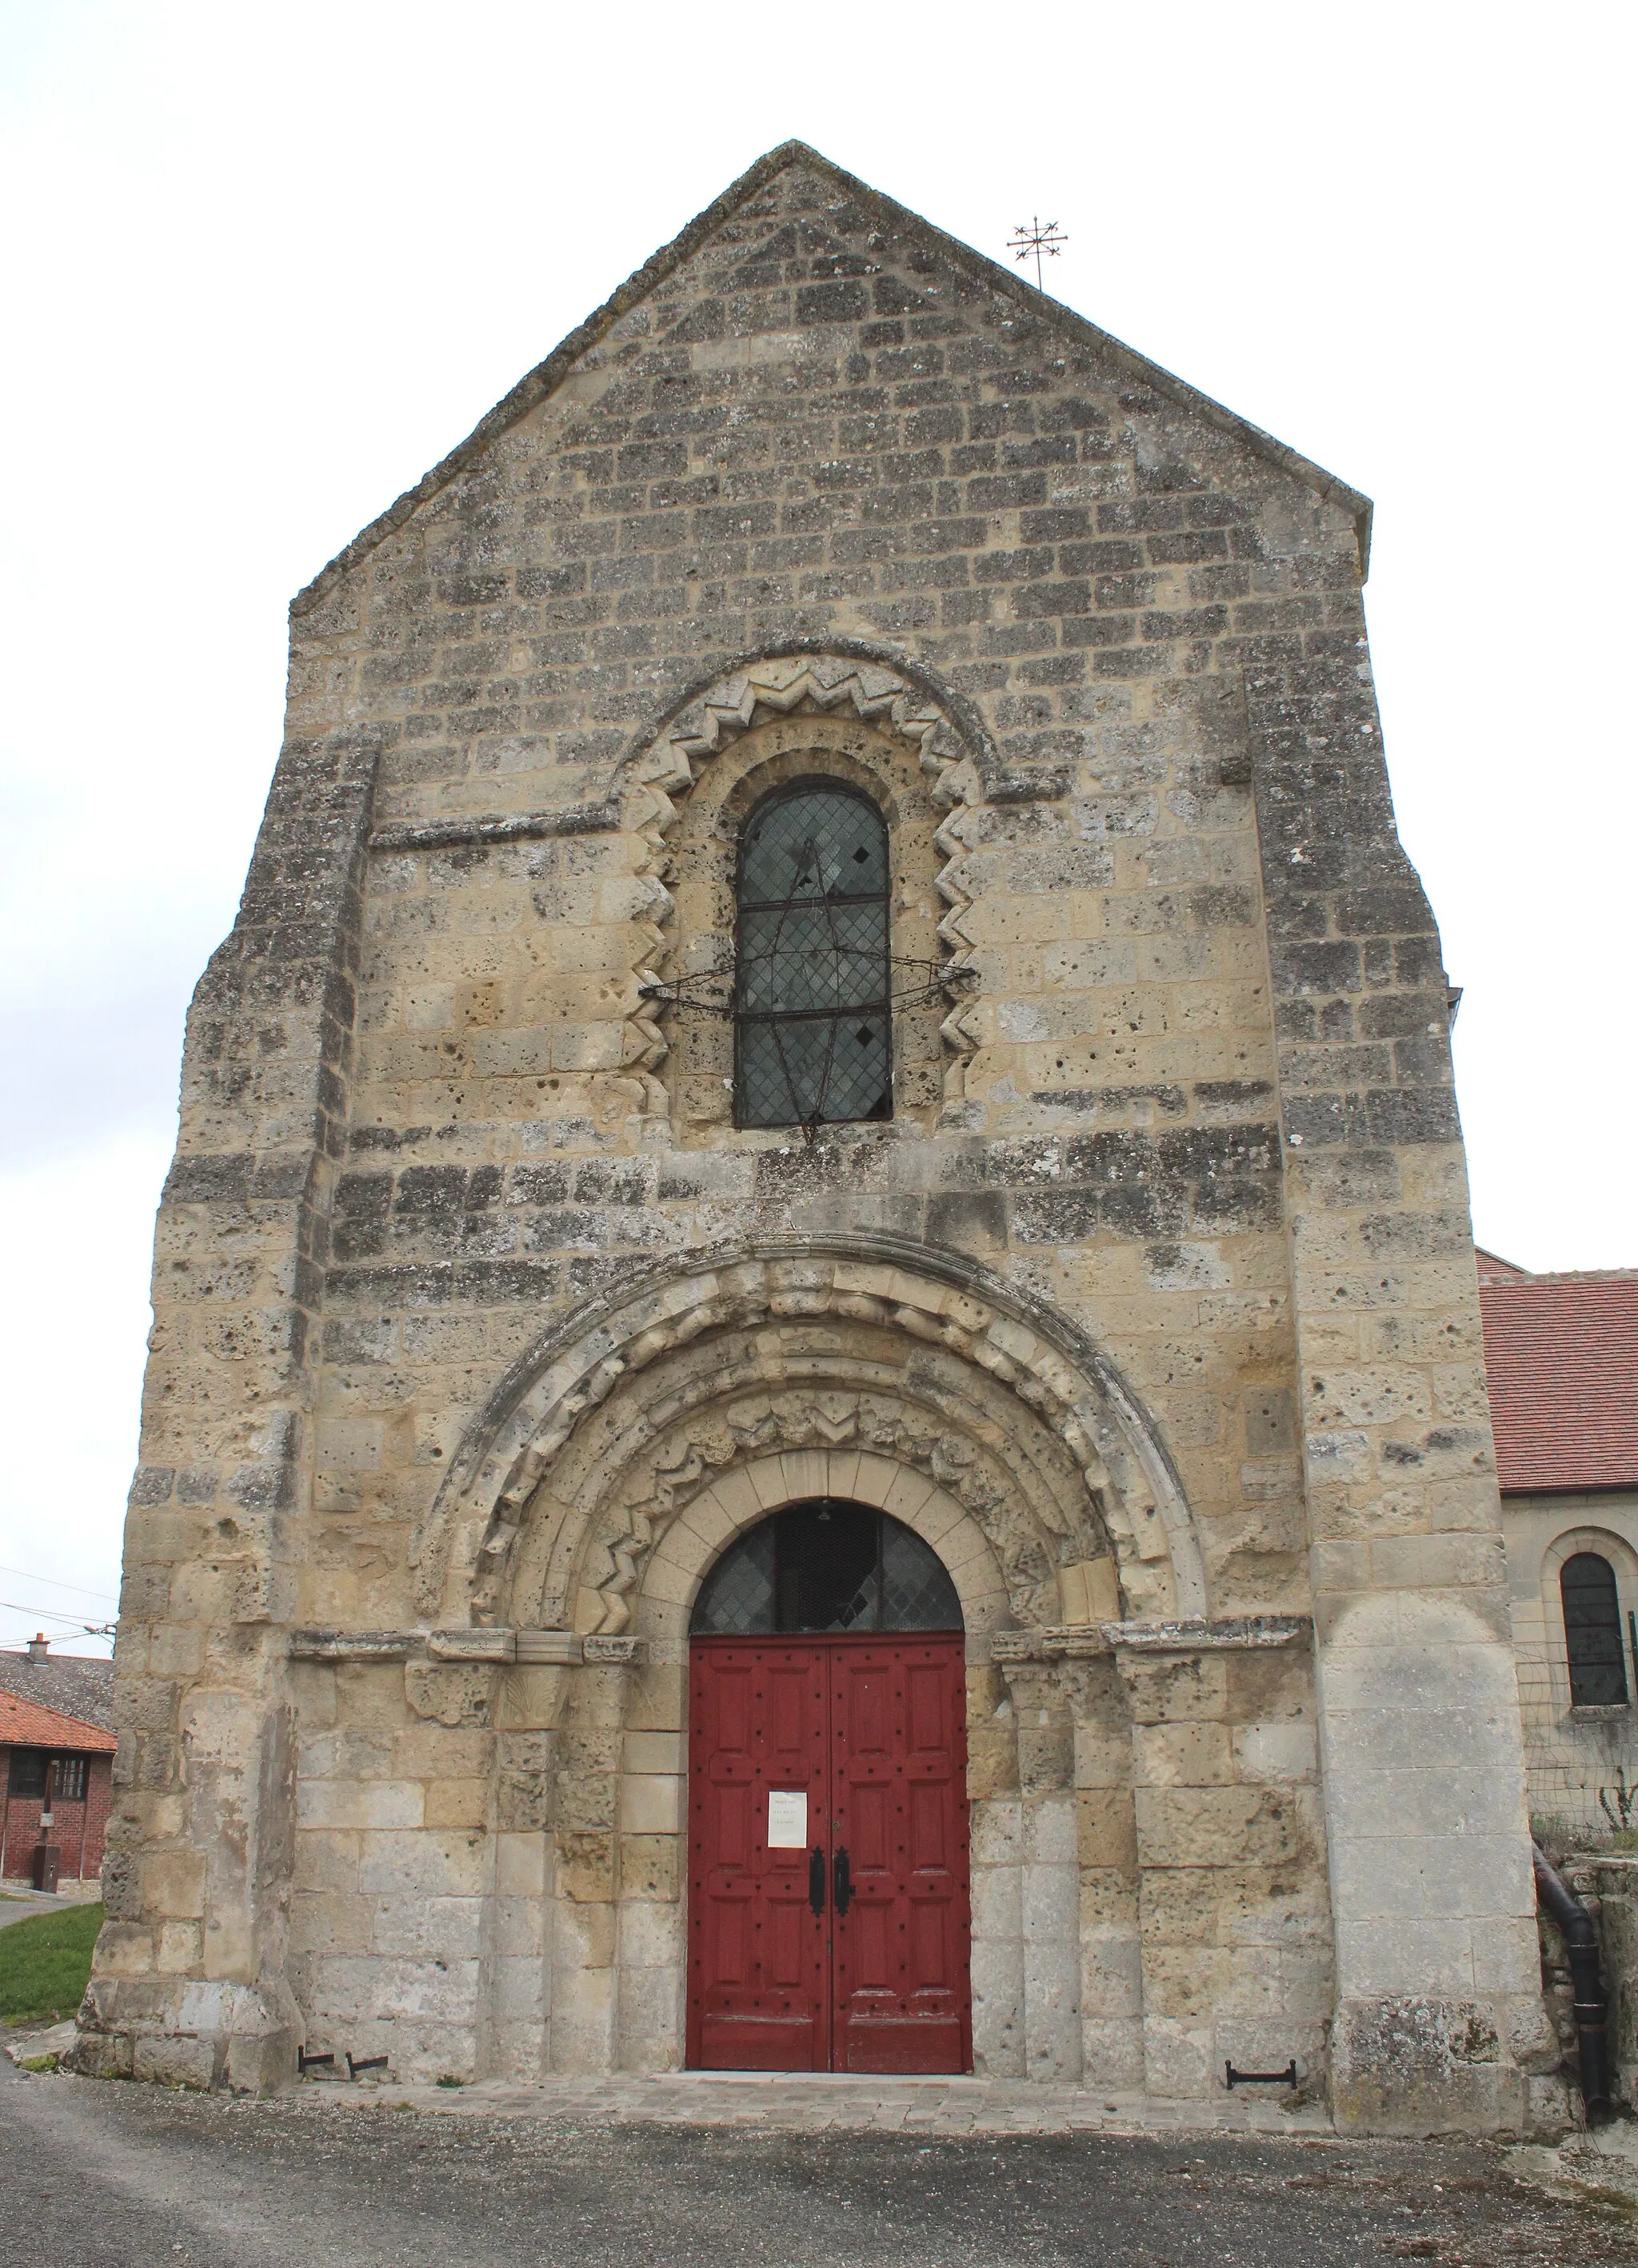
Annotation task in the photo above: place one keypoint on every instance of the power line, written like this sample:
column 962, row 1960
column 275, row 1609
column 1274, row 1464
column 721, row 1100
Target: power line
column 54, row 1583
column 49, row 1615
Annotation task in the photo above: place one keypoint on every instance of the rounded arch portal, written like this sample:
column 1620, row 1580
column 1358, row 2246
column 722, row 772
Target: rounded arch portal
column 876, row 1351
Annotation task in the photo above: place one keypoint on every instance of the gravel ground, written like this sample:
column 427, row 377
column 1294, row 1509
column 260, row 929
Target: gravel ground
column 120, row 2176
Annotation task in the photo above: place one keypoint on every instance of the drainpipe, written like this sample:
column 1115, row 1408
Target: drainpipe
column 1581, row 1943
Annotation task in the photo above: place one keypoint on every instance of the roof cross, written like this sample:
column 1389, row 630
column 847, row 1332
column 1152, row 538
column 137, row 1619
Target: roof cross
column 1033, row 237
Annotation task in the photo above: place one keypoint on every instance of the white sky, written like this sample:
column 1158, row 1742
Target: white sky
column 263, row 266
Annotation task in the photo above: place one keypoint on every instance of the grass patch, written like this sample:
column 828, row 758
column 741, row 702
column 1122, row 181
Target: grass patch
column 44, row 1964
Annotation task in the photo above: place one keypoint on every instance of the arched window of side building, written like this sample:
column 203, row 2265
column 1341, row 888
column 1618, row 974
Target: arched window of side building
column 1592, row 1633
column 812, row 1027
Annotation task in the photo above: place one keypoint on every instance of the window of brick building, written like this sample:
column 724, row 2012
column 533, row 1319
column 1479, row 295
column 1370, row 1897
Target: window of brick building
column 1592, row 1633
column 812, row 1029
column 28, row 1775
column 71, row 1773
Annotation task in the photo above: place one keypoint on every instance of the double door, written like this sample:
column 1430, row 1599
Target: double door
column 829, row 1920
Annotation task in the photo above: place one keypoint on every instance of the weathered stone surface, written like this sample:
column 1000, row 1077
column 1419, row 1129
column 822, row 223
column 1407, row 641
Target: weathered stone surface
column 481, row 1327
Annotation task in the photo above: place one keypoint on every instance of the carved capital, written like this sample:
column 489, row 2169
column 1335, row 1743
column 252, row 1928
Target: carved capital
column 601, row 1649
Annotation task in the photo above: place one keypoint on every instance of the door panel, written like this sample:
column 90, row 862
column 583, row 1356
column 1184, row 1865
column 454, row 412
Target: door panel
column 759, row 1967
column 874, row 1730
column 901, row 1982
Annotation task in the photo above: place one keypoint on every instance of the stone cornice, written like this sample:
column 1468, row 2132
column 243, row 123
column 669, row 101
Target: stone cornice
column 500, row 827
column 542, row 1648
column 524, row 1648
column 1240, row 1633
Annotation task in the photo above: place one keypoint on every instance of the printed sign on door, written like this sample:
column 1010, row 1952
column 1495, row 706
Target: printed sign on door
column 787, row 1818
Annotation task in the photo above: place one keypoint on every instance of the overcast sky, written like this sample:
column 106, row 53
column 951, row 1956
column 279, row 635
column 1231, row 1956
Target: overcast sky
column 263, row 266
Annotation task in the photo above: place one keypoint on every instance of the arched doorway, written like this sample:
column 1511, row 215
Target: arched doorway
column 829, row 1924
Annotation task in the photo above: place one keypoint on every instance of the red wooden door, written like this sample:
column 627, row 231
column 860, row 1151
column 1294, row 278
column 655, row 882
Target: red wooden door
column 758, row 1959
column 871, row 1732
column 901, row 1974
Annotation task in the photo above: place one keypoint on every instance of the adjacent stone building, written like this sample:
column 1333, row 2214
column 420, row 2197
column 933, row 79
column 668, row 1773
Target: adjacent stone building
column 1561, row 1357
column 828, row 946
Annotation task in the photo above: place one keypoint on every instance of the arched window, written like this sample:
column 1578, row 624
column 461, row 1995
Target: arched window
column 1592, row 1633
column 813, row 1040
column 825, row 1566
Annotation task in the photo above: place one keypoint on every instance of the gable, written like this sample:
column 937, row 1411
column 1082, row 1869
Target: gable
column 854, row 244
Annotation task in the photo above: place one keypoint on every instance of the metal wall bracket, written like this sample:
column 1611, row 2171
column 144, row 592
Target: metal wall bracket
column 1286, row 2077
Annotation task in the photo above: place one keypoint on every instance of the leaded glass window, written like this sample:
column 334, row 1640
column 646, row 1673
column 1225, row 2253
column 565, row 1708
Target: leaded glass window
column 1592, row 1633
column 813, row 1040
column 825, row 1566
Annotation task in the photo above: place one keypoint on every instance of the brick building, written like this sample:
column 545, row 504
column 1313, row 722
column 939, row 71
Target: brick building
column 41, row 1749
column 1562, row 1353
column 816, row 1394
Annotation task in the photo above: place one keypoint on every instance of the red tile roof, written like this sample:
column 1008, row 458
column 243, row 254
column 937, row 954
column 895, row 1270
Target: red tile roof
column 26, row 1725
column 1494, row 1269
column 1561, row 1354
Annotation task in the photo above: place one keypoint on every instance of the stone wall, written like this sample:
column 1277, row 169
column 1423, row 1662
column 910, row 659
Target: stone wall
column 1164, row 1252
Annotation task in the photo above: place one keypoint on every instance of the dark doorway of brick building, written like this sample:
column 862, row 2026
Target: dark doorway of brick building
column 828, row 1918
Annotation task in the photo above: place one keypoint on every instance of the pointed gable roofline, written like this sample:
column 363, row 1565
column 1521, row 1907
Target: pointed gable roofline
column 545, row 377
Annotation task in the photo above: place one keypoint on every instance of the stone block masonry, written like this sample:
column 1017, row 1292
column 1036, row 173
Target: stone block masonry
column 481, row 1327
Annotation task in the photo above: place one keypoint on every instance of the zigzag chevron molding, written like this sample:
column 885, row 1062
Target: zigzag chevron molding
column 778, row 686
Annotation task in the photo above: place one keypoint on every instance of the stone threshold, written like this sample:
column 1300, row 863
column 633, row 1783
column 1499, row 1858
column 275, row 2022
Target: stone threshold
column 785, row 2101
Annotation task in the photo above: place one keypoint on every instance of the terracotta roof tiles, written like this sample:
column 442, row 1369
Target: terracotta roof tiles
column 1561, row 1354
column 26, row 1725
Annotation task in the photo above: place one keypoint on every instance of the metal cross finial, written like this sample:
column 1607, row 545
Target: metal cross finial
column 1033, row 237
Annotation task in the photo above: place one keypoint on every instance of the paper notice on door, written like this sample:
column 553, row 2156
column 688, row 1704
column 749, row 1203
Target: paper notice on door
column 787, row 1818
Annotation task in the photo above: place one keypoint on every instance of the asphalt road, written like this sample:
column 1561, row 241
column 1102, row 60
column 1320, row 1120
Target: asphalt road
column 121, row 2176
column 21, row 1906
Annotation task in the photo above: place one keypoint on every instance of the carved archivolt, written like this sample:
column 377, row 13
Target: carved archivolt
column 543, row 1434
column 721, row 1439
column 776, row 687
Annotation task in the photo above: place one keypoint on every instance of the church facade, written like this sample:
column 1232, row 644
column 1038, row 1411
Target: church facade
column 817, row 1397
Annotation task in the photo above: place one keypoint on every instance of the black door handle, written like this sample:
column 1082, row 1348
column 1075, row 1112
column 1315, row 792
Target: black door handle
column 843, row 1882
column 816, row 1880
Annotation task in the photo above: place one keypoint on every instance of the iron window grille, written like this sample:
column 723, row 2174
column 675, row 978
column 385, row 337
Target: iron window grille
column 813, row 994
